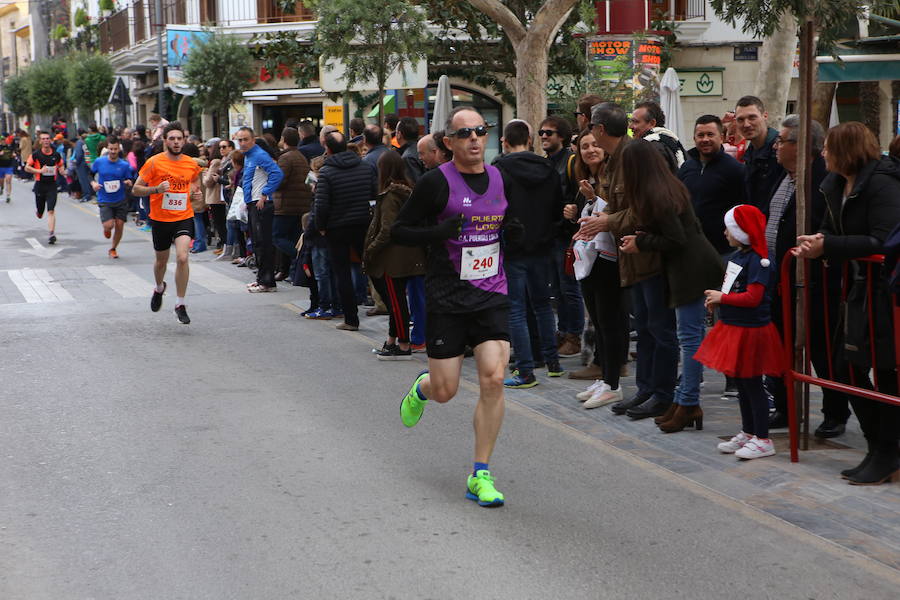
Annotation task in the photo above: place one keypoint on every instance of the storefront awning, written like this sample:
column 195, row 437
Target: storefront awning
column 390, row 103
column 859, row 67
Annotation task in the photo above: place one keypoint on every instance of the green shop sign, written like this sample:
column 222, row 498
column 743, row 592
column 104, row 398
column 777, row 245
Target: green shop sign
column 700, row 83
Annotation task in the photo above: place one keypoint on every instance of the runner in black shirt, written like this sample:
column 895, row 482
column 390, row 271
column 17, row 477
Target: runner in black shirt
column 45, row 163
column 458, row 211
column 7, row 163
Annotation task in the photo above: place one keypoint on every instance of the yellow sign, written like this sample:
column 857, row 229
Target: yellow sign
column 334, row 115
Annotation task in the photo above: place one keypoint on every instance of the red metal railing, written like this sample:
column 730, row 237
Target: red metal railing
column 805, row 376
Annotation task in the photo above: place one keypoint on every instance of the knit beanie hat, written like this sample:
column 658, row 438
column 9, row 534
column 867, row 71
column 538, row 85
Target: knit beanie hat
column 747, row 225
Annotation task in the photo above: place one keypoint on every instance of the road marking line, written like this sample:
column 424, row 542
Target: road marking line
column 121, row 280
column 24, row 287
column 37, row 286
column 62, row 295
column 211, row 279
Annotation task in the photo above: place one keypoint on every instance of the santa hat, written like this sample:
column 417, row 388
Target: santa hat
column 747, row 225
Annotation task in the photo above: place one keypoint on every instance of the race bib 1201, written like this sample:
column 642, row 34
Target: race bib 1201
column 480, row 262
column 174, row 201
column 112, row 186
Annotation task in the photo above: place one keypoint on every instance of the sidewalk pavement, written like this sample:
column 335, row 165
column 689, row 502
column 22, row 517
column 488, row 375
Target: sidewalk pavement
column 809, row 494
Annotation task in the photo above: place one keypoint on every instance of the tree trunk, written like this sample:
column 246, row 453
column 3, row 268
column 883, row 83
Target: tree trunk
column 823, row 96
column 870, row 106
column 531, row 84
column 773, row 81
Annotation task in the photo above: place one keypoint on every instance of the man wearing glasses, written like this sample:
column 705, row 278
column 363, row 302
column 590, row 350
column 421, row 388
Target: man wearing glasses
column 555, row 133
column 458, row 210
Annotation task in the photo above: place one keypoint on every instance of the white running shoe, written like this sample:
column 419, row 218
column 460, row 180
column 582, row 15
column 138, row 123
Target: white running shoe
column 603, row 396
column 734, row 444
column 586, row 394
column 756, row 448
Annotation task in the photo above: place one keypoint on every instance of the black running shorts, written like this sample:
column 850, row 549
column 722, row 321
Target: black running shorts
column 447, row 335
column 165, row 232
column 44, row 198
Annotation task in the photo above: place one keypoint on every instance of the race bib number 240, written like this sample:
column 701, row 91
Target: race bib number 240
column 480, row 262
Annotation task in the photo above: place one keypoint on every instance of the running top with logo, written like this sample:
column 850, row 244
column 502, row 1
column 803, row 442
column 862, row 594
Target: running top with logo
column 47, row 163
column 111, row 176
column 7, row 153
column 175, row 204
column 465, row 272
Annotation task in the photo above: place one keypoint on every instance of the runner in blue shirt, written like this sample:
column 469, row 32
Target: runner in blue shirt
column 113, row 173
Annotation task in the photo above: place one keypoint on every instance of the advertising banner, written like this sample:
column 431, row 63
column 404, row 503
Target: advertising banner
column 625, row 69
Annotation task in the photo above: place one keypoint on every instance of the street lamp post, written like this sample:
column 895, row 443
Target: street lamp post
column 160, row 28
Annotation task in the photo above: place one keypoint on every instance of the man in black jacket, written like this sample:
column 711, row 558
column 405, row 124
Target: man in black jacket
column 714, row 179
column 344, row 192
column 556, row 134
column 781, row 236
column 408, row 138
column 761, row 166
column 535, row 204
column 309, row 142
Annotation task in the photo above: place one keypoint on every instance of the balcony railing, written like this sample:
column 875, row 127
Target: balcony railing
column 114, row 33
column 679, row 10
column 138, row 22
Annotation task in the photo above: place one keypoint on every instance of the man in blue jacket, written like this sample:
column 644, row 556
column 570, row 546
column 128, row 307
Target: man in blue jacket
column 262, row 176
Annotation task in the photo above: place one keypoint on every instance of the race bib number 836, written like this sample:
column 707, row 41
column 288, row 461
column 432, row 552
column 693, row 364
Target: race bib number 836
column 174, row 201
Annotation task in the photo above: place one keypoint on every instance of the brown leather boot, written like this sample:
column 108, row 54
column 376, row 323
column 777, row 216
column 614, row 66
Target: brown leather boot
column 666, row 415
column 591, row 371
column 684, row 416
column 571, row 346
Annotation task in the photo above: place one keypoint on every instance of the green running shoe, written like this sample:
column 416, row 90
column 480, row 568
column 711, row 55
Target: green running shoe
column 482, row 490
column 412, row 407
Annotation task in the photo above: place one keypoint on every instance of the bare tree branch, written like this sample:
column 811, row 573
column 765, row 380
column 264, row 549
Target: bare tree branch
column 550, row 17
column 500, row 14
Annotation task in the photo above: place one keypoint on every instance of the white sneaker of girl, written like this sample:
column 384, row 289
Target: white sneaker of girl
column 734, row 444
column 756, row 448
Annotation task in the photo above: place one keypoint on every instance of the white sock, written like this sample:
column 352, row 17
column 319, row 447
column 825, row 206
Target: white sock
column 179, row 301
column 160, row 288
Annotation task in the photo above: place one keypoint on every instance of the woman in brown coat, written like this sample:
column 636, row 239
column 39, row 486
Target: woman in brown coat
column 388, row 264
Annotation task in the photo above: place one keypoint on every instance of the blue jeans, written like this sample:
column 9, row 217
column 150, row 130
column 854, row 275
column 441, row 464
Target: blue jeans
column 691, row 319
column 569, row 303
column 360, row 283
column 415, row 291
column 657, row 344
column 528, row 278
column 199, row 234
column 322, row 270
column 83, row 172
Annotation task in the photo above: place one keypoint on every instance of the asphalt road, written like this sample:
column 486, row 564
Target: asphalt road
column 253, row 454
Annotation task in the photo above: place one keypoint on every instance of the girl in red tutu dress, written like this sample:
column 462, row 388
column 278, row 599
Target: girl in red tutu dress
column 744, row 343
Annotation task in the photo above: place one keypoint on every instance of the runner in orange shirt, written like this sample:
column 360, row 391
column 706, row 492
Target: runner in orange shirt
column 168, row 178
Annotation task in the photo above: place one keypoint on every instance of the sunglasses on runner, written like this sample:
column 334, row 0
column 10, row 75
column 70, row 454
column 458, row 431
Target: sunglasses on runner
column 464, row 132
column 547, row 132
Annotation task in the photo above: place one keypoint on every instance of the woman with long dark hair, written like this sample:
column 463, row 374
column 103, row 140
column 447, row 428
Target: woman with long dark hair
column 212, row 189
column 662, row 206
column 862, row 194
column 602, row 293
column 388, row 264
